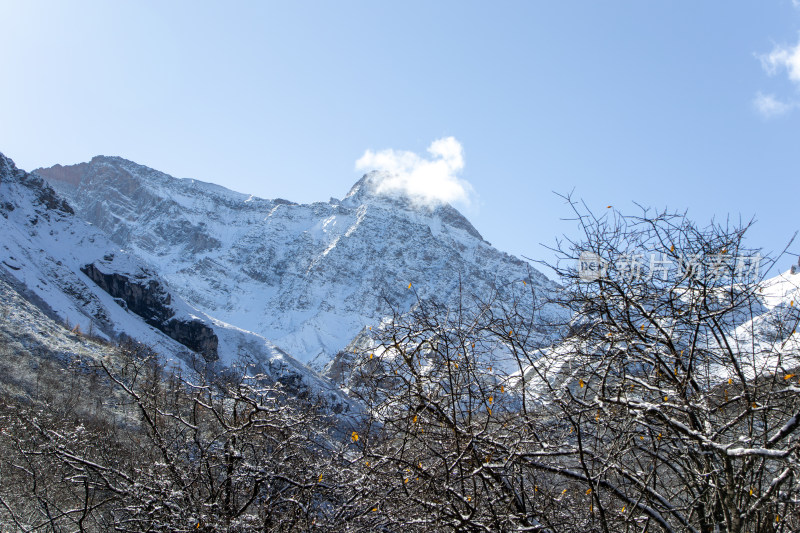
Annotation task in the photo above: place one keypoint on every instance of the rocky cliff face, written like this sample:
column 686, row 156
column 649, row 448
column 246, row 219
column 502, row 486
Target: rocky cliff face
column 42, row 194
column 308, row 277
column 69, row 175
column 147, row 298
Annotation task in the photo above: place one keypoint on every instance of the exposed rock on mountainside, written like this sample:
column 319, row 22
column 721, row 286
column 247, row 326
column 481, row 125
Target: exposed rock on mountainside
column 150, row 300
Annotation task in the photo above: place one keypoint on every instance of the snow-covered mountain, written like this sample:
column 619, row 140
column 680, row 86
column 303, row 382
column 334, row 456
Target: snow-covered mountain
column 194, row 269
column 307, row 277
column 75, row 274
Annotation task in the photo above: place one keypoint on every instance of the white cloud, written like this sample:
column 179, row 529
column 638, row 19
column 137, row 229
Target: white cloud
column 426, row 178
column 769, row 106
column 781, row 58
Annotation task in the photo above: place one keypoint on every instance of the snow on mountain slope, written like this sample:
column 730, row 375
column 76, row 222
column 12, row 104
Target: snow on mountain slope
column 308, row 277
column 77, row 274
column 760, row 333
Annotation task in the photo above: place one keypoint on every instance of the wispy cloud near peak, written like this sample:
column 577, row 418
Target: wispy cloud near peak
column 424, row 178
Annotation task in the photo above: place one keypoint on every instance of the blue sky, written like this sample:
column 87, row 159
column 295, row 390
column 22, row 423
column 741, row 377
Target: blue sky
column 687, row 105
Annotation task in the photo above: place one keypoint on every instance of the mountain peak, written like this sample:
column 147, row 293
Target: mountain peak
column 372, row 187
column 68, row 174
column 380, row 183
column 6, row 165
column 9, row 168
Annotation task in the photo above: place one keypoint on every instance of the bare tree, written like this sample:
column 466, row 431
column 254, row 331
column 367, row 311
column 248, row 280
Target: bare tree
column 182, row 453
column 669, row 402
column 681, row 388
column 449, row 434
